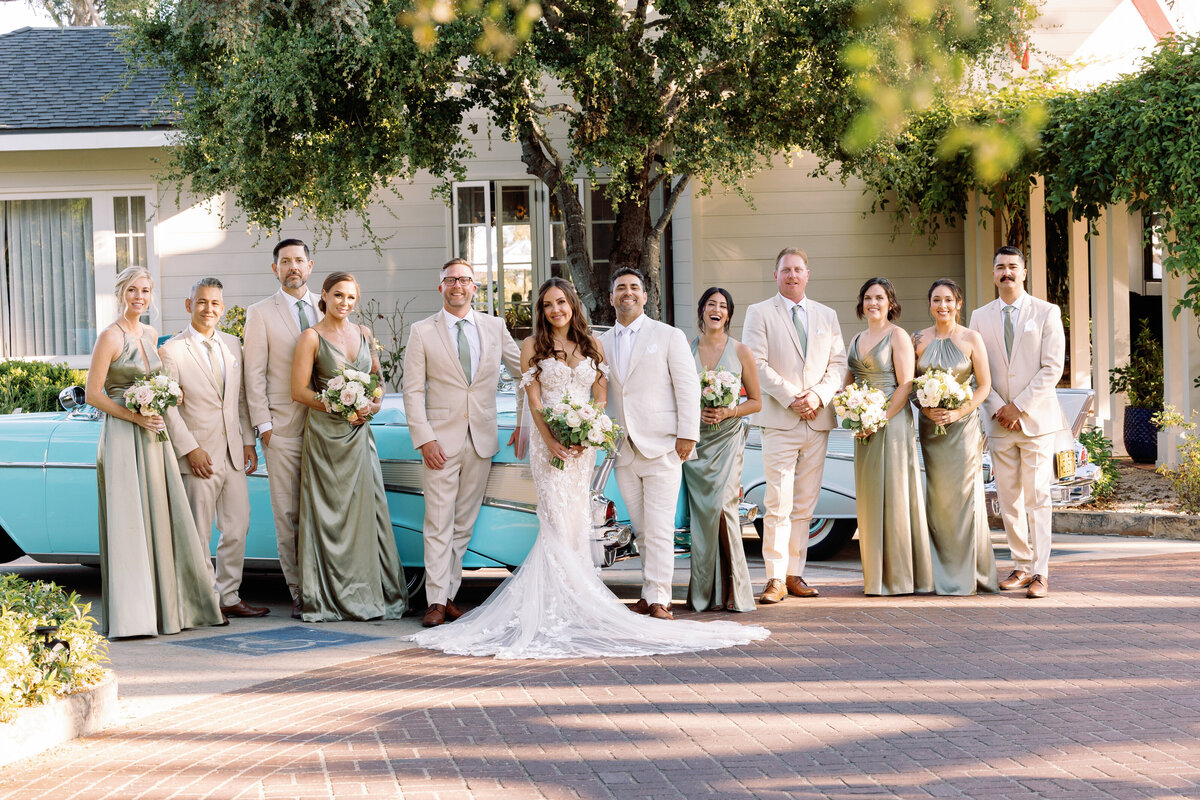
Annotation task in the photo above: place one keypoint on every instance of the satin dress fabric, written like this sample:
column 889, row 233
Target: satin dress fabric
column 557, row 605
column 893, row 535
column 963, row 561
column 713, row 480
column 349, row 567
column 153, row 574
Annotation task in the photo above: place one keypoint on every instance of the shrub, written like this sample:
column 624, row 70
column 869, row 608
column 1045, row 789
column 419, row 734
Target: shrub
column 387, row 331
column 1185, row 478
column 1099, row 449
column 1142, row 378
column 31, row 673
column 234, row 322
column 34, row 385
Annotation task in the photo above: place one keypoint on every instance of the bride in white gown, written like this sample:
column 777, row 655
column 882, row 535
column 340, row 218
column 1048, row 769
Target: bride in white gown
column 556, row 606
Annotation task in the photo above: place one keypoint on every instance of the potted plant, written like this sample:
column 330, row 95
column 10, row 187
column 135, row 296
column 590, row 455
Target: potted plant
column 1142, row 382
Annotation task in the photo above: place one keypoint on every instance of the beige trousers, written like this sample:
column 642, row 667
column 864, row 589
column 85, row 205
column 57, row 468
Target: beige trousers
column 1024, row 469
column 793, row 463
column 650, row 489
column 453, row 497
column 223, row 495
column 283, row 472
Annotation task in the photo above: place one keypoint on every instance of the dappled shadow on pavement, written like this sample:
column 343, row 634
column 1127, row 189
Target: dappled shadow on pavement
column 1091, row 693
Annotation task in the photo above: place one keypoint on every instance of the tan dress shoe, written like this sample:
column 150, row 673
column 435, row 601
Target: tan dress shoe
column 435, row 616
column 1038, row 587
column 1017, row 579
column 659, row 611
column 775, row 592
column 798, row 588
column 640, row 607
column 452, row 611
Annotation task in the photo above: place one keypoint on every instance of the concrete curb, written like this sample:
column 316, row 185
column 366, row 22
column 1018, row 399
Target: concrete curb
column 1157, row 526
column 42, row 727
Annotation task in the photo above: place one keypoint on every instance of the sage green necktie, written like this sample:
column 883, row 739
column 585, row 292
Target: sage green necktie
column 464, row 349
column 304, row 323
column 800, row 329
column 211, row 346
column 1008, row 329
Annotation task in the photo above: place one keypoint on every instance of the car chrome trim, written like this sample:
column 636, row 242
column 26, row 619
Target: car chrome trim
column 45, row 465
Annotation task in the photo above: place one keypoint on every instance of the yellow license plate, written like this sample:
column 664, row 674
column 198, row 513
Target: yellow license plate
column 1064, row 464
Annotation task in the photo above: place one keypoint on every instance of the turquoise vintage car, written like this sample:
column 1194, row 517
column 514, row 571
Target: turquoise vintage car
column 48, row 502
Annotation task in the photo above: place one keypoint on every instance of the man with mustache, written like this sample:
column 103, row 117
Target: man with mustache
column 272, row 327
column 1026, row 347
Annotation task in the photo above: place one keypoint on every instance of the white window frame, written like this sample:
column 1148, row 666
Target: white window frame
column 104, row 246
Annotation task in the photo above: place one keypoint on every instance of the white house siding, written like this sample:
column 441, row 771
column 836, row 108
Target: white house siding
column 734, row 246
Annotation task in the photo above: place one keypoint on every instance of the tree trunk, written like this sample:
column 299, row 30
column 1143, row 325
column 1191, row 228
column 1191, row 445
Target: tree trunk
column 630, row 232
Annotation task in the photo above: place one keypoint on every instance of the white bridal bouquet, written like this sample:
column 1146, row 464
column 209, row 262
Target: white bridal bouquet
column 580, row 423
column 718, row 389
column 349, row 392
column 937, row 388
column 153, row 394
column 862, row 409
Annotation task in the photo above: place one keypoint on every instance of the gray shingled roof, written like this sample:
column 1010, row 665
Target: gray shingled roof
column 55, row 79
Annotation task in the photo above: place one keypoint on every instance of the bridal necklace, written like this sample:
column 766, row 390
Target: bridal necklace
column 342, row 334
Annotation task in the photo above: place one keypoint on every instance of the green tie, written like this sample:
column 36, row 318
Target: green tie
column 211, row 347
column 800, row 330
column 464, row 349
column 303, row 315
column 1008, row 329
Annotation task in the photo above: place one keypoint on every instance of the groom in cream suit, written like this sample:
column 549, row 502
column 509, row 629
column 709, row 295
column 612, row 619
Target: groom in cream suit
column 797, row 344
column 654, row 393
column 210, row 431
column 451, row 368
column 272, row 327
column 1026, row 348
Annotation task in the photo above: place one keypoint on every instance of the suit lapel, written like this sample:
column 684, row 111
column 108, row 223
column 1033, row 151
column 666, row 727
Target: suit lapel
column 443, row 334
column 783, row 308
column 1023, row 319
column 485, row 342
column 639, row 348
column 289, row 319
column 201, row 360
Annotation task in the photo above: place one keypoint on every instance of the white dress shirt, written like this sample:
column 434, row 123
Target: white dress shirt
column 803, row 306
column 472, row 332
column 310, row 307
column 626, row 338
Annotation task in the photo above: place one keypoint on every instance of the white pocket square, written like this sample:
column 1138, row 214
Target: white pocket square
column 652, row 349
column 1029, row 326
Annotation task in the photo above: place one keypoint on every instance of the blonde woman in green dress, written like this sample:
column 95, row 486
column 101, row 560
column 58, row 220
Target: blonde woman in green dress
column 153, row 575
column 720, row 578
column 346, row 552
column 893, row 537
column 963, row 562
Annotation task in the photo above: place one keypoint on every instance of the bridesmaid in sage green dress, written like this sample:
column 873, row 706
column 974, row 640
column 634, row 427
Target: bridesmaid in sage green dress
column 963, row 562
column 720, row 578
column 893, row 536
column 152, row 572
column 349, row 567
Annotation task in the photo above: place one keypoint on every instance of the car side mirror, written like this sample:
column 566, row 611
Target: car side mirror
column 72, row 397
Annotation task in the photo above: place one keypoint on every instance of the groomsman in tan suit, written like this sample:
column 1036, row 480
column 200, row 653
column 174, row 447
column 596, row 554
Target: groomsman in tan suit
column 210, row 431
column 1026, row 348
column 451, row 368
column 272, row 327
column 797, row 343
column 654, row 394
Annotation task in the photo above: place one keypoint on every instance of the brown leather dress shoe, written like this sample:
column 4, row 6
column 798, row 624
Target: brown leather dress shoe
column 240, row 609
column 640, row 607
column 798, row 588
column 774, row 593
column 1017, row 579
column 296, row 609
column 1038, row 587
column 659, row 611
column 452, row 611
column 435, row 616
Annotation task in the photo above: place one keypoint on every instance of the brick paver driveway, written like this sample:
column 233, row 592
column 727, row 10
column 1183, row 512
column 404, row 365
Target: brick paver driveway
column 1091, row 693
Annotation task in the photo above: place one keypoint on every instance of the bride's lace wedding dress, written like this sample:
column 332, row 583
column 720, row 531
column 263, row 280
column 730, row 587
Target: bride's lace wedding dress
column 556, row 606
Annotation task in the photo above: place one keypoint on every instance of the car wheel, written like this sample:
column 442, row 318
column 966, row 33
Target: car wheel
column 8, row 549
column 414, row 579
column 827, row 537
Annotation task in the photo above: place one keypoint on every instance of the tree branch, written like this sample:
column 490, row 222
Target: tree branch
column 669, row 204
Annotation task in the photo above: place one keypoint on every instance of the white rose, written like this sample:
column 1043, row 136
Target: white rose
column 336, row 383
column 605, row 423
column 587, row 413
column 349, row 395
column 595, row 435
column 572, row 418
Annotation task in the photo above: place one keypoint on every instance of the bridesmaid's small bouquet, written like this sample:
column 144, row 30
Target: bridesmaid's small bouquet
column 350, row 392
column 580, row 423
column 718, row 389
column 862, row 409
column 152, row 395
column 937, row 388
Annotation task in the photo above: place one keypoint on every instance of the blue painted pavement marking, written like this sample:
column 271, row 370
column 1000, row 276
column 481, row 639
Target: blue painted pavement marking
column 276, row 640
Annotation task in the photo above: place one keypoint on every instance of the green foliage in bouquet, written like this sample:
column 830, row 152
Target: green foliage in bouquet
column 234, row 322
column 1099, row 448
column 33, row 386
column 31, row 673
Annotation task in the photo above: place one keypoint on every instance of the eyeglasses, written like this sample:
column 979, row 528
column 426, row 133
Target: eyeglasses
column 462, row 280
